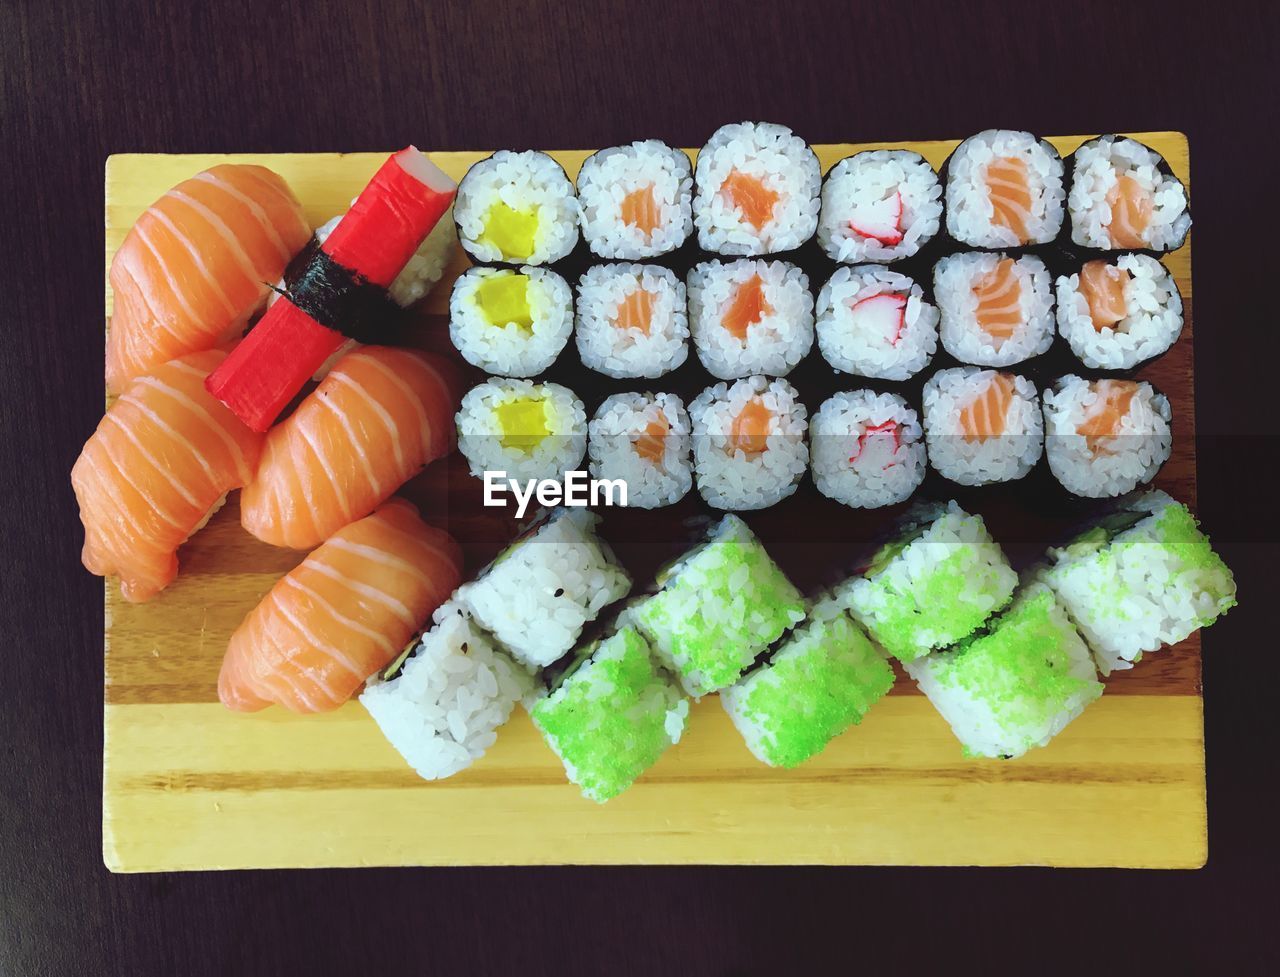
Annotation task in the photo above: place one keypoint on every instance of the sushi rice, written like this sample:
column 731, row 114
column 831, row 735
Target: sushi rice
column 1100, row 170
column 623, row 187
column 749, row 443
column 528, row 430
column 879, row 205
column 889, row 338
column 513, row 323
column 972, row 438
column 644, row 440
column 1151, row 315
column 750, row 316
column 517, row 208
column 632, row 320
column 781, row 178
column 983, row 323
column 866, row 449
column 1004, row 190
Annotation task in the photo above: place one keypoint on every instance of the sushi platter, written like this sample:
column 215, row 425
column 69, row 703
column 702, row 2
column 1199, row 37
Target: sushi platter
column 199, row 775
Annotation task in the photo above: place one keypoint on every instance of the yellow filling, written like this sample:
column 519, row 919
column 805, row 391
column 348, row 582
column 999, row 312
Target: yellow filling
column 522, row 423
column 511, row 231
column 504, row 300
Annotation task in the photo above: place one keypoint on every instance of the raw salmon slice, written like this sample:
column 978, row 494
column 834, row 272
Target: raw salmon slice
column 195, row 266
column 379, row 416
column 747, row 307
column 160, row 461
column 1131, row 208
column 750, row 196
column 341, row 615
column 1102, row 284
column 749, row 432
column 652, row 441
column 1102, row 421
column 986, row 416
column 1010, row 195
column 636, row 311
column 999, row 295
column 640, row 210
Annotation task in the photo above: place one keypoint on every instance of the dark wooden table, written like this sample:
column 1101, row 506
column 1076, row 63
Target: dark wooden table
column 81, row 81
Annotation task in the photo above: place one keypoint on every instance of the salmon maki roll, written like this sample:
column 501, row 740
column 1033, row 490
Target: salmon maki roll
column 636, row 200
column 1119, row 311
column 160, row 463
column 195, row 266
column 631, row 320
column 982, row 426
column 376, row 419
column 1004, row 190
column 1124, row 196
column 341, row 615
column 995, row 310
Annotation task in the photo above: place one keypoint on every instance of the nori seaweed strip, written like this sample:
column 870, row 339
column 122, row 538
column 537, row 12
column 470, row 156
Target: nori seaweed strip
column 341, row 299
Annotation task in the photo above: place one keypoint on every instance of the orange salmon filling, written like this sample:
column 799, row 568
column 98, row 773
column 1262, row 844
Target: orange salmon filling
column 750, row 196
column 1103, row 421
column 999, row 295
column 636, row 311
column 1131, row 208
column 749, row 432
column 1102, row 286
column 747, row 307
column 651, row 443
column 640, row 210
column 984, row 417
column 1010, row 195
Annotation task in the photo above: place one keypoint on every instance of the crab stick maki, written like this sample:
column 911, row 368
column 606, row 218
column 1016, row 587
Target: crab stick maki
column 996, row 310
column 340, row 615
column 191, row 271
column 159, row 465
column 750, row 316
column 636, row 200
column 866, row 449
column 880, row 205
column 873, row 322
column 376, row 419
column 1004, row 190
column 342, row 293
column 757, row 190
column 982, row 426
column 631, row 320
column 643, row 440
column 1118, row 312
column 517, row 209
column 510, row 321
column 1125, row 197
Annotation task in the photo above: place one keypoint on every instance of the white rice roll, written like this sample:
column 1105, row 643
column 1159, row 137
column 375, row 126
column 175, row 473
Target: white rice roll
column 539, row 594
column 750, row 316
column 1109, row 335
column 1103, row 438
column 1123, row 196
column 643, row 440
column 879, row 205
column 632, row 320
column 866, row 449
column 749, row 443
column 873, row 322
column 996, row 310
column 1004, row 190
column 623, row 188
column 442, row 705
column 528, row 430
column 517, row 208
column 982, row 426
column 767, row 157
column 510, row 322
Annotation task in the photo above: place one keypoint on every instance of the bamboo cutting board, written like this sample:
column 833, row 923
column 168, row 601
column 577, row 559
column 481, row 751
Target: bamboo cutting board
column 189, row 785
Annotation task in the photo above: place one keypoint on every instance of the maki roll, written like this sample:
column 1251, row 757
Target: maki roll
column 757, row 190
column 874, row 322
column 717, row 609
column 879, row 205
column 1124, row 196
column 536, row 597
column 937, row 581
column 636, row 200
column 528, row 430
column 510, row 322
column 1118, row 312
column 996, row 310
column 750, row 316
column 643, row 440
column 748, row 443
column 1142, row 576
column 1103, row 438
column 822, row 679
column 441, row 702
column 516, row 208
column 982, row 426
column 866, row 449
column 1004, row 190
column 1016, row 685
column 632, row 320
column 610, row 714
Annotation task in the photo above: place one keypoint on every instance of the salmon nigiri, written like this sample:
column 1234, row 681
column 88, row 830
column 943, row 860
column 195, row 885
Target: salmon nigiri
column 342, row 614
column 195, row 266
column 159, row 463
column 378, row 417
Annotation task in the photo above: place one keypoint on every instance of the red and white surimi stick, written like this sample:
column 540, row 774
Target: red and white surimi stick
column 374, row 241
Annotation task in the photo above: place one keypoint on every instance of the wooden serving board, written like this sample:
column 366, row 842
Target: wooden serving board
column 189, row 785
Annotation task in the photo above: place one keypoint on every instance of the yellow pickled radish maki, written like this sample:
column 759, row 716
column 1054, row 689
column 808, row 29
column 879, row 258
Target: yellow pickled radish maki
column 516, row 208
column 528, row 430
column 512, row 232
column 510, row 322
